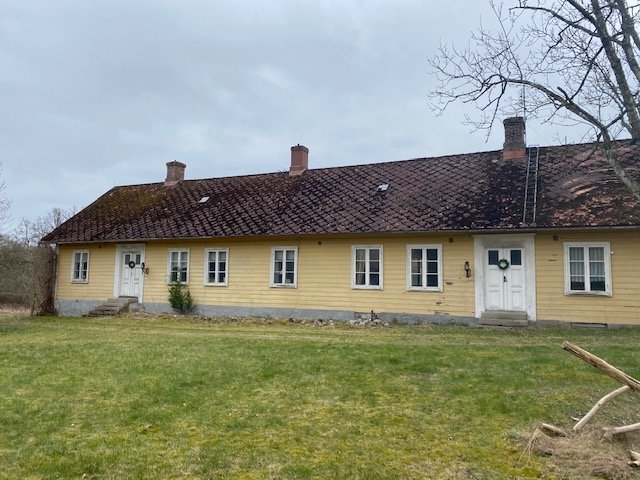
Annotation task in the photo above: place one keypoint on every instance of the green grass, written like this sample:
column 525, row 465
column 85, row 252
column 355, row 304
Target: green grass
column 160, row 398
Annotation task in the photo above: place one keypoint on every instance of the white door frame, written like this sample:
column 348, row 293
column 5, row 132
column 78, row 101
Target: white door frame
column 515, row 240
column 120, row 250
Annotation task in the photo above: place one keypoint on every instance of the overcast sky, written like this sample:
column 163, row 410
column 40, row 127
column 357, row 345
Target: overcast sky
column 101, row 93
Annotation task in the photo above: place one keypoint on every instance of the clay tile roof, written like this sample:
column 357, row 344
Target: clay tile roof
column 469, row 192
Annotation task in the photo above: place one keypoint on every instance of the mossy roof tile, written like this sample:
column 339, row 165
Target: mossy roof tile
column 469, row 192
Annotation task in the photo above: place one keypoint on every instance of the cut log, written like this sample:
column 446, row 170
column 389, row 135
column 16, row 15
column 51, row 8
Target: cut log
column 551, row 430
column 603, row 366
column 610, row 432
column 584, row 420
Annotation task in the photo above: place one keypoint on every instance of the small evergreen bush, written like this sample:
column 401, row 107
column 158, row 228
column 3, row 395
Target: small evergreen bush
column 180, row 298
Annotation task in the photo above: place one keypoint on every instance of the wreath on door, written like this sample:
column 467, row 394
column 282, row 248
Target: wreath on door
column 503, row 264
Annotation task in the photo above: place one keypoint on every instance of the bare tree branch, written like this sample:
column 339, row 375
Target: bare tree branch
column 575, row 59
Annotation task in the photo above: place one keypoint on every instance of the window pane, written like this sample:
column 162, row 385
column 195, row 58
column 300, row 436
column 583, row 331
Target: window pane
column 432, row 254
column 374, row 254
column 493, row 257
column 432, row 280
column 576, row 284
column 360, row 278
column 416, row 267
column 289, row 277
column 576, row 253
column 596, row 269
column 361, row 254
column 278, row 255
column 432, row 267
column 416, row 280
column 290, row 255
column 516, row 257
column 277, row 277
column 374, row 266
column 374, row 279
column 596, row 254
column 416, row 254
column 277, row 267
column 576, row 269
column 222, row 256
column 222, row 276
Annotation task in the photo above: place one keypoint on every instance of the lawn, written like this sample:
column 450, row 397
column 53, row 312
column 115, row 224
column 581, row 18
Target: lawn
column 168, row 398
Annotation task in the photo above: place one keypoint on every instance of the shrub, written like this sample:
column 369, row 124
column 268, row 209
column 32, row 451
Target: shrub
column 180, row 298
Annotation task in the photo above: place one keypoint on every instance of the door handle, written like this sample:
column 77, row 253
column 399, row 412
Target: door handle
column 504, row 278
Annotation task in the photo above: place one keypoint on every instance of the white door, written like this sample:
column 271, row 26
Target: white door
column 130, row 273
column 504, row 279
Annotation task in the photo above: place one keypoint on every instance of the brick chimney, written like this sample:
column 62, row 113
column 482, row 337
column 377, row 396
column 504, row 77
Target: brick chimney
column 175, row 173
column 299, row 160
column 514, row 138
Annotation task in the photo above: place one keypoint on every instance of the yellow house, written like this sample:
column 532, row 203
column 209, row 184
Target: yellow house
column 519, row 235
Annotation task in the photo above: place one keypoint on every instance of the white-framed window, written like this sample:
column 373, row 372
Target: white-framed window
column 587, row 268
column 216, row 266
column 366, row 266
column 284, row 266
column 178, row 266
column 424, row 267
column 80, row 266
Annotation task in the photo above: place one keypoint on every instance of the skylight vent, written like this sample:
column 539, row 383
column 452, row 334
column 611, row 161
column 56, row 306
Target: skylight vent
column 382, row 187
column 203, row 200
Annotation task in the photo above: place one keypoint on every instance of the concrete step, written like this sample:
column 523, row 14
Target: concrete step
column 112, row 307
column 504, row 318
column 122, row 301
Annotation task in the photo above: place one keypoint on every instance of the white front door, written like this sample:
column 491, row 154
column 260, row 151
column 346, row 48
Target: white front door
column 504, row 279
column 130, row 273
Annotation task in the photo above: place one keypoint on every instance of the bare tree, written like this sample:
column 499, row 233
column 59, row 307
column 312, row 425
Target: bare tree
column 29, row 232
column 27, row 267
column 4, row 202
column 573, row 60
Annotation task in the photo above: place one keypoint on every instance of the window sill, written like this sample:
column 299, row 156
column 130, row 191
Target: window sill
column 81, row 282
column 215, row 284
column 283, row 285
column 588, row 294
column 426, row 289
column 365, row 287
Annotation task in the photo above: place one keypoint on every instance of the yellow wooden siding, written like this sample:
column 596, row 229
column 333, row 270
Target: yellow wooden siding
column 323, row 276
column 101, row 273
column 622, row 307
